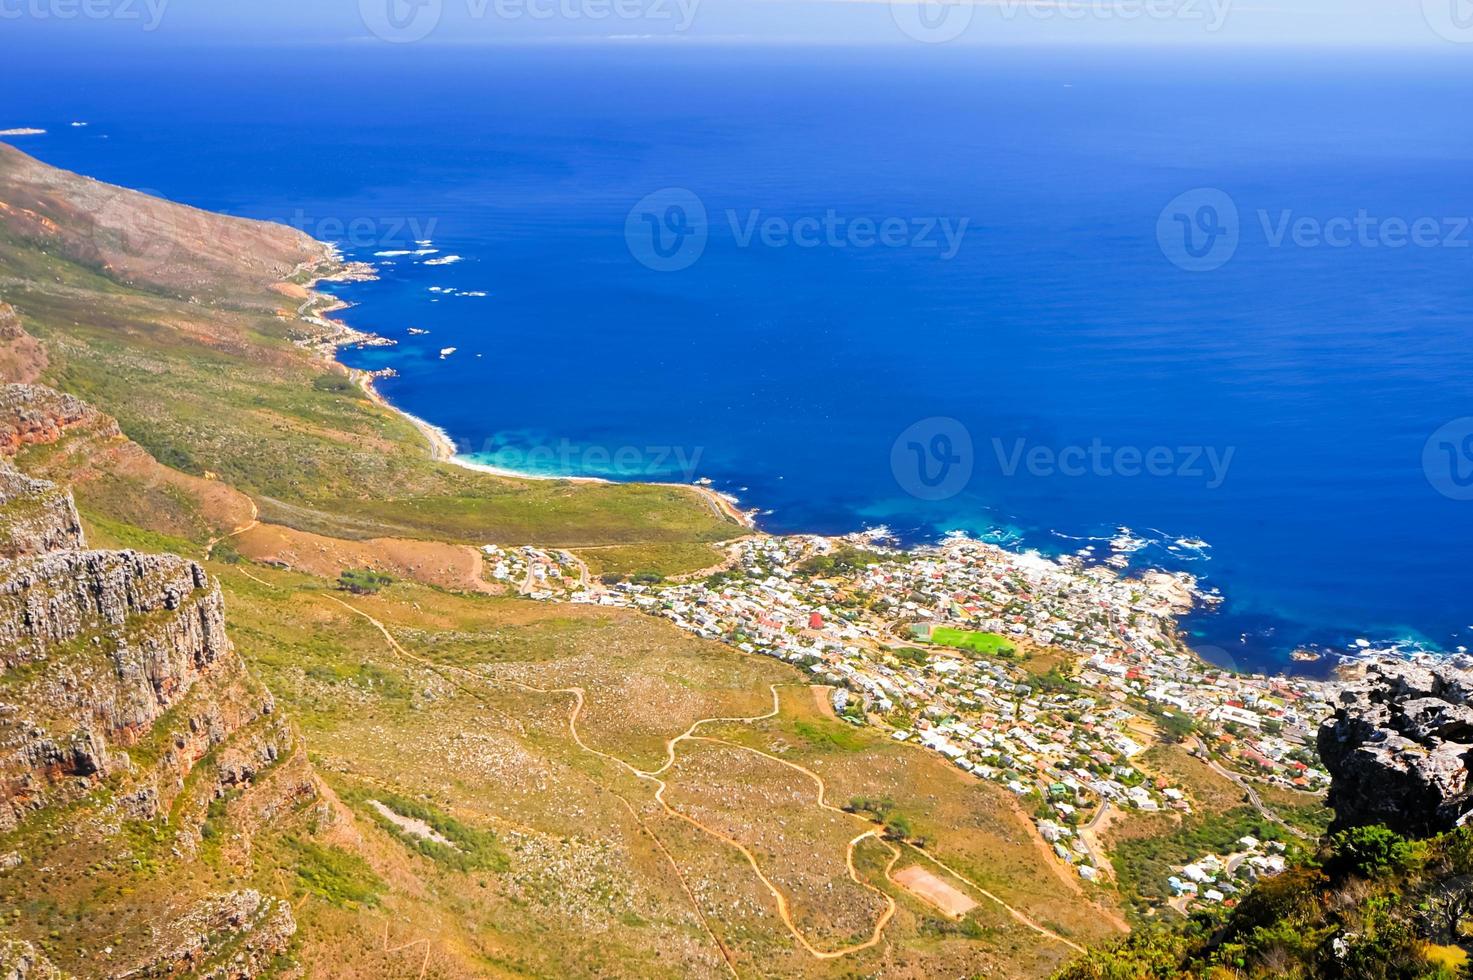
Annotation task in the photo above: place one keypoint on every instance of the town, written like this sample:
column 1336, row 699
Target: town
column 1048, row 676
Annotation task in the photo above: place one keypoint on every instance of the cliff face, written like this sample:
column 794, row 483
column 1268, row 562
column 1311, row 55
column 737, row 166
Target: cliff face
column 35, row 517
column 1400, row 746
column 53, row 599
column 121, row 693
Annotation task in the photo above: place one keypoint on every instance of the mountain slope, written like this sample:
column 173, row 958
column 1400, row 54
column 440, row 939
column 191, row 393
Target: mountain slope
column 426, row 780
column 125, row 716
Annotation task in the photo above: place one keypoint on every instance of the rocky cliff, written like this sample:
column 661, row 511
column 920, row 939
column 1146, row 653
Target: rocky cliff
column 32, row 415
column 1399, row 747
column 123, row 700
column 35, row 517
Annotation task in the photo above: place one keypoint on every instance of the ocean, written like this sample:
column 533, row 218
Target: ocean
column 1203, row 311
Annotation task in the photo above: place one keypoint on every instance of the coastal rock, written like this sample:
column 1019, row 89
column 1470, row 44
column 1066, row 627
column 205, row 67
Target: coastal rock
column 1399, row 747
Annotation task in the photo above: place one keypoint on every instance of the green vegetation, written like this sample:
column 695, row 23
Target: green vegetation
column 1369, row 905
column 828, row 735
column 337, row 877
column 839, row 561
column 1142, row 865
column 884, row 811
column 104, row 533
column 1303, row 811
column 986, row 644
column 1055, row 681
column 335, row 383
column 469, row 849
column 1370, row 851
column 363, row 581
column 665, row 558
column 911, row 655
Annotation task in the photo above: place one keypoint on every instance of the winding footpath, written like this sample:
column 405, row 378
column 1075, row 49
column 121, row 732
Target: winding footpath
column 248, row 525
column 781, row 901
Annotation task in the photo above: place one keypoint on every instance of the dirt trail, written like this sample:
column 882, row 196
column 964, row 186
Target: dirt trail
column 248, row 525
column 653, row 776
column 825, row 804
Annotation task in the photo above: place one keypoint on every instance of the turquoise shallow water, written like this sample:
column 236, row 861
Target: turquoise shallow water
column 1220, row 300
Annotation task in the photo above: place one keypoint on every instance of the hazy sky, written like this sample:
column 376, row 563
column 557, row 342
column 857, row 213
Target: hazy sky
column 1443, row 24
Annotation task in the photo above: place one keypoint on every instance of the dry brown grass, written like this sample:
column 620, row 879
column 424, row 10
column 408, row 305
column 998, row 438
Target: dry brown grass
column 1207, row 791
column 588, row 884
column 447, row 566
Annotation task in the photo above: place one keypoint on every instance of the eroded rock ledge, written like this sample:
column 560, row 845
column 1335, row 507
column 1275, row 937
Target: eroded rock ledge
column 32, row 414
column 36, row 517
column 1399, row 748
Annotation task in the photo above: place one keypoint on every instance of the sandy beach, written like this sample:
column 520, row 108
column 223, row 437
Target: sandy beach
column 443, row 450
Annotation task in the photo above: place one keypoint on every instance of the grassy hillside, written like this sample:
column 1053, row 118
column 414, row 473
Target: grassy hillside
column 479, row 785
column 200, row 368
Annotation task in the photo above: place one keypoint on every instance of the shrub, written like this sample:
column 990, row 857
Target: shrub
column 363, row 581
column 334, row 383
column 1369, row 851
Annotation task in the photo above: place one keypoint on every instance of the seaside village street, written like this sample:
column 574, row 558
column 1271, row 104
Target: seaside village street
column 943, row 646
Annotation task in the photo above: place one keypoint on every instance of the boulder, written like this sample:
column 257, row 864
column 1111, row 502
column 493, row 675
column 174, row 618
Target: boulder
column 1399, row 747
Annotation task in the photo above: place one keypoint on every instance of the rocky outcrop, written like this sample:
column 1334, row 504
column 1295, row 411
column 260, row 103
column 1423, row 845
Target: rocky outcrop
column 20, row 960
column 35, row 516
column 96, row 647
column 229, row 937
column 33, row 414
column 57, row 598
column 104, row 644
column 1399, row 748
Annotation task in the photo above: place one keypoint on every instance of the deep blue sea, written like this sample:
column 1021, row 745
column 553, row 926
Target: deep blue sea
column 1223, row 300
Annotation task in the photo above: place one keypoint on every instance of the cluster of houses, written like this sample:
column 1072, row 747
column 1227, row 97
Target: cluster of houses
column 1263, row 725
column 1067, row 740
column 1219, row 879
column 533, row 572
